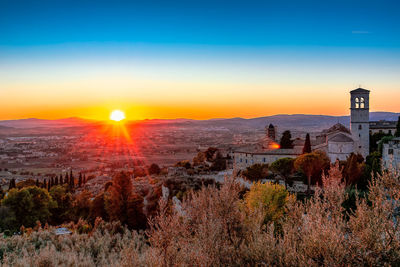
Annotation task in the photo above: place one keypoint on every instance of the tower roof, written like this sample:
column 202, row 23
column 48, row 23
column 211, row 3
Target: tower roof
column 359, row 90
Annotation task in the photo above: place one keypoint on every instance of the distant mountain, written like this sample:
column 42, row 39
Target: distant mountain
column 35, row 123
column 300, row 122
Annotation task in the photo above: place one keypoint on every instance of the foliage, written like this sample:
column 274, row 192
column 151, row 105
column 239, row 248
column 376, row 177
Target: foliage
column 271, row 198
column 211, row 229
column 122, row 204
column 29, row 204
column 62, row 211
column 313, row 165
column 397, row 133
column 353, row 169
column 284, row 167
column 256, row 172
column 286, row 140
column 154, row 169
column 307, row 144
column 184, row 163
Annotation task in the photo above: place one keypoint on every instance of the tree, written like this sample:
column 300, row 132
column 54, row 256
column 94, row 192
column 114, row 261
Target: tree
column 62, row 212
column 353, row 169
column 183, row 163
column 154, row 169
column 286, row 140
column 397, row 133
column 29, row 204
column 312, row 165
column 199, row 159
column 80, row 180
column 219, row 163
column 256, row 172
column 270, row 198
column 11, row 184
column 284, row 167
column 37, row 183
column 307, row 145
column 122, row 204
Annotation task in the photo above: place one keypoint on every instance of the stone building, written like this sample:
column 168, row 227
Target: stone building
column 382, row 126
column 391, row 154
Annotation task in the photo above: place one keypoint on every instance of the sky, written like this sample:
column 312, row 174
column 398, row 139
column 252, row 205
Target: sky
column 196, row 59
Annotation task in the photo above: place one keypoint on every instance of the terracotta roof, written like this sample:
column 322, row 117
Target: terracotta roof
column 341, row 138
column 338, row 127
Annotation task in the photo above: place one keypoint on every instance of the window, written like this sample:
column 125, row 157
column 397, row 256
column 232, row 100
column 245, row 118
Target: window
column 390, row 131
column 246, row 160
column 390, row 152
column 241, row 160
column 359, row 127
column 362, row 102
column 263, row 159
column 357, row 102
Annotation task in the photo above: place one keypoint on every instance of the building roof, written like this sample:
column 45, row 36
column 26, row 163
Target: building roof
column 341, row 138
column 338, row 127
column 382, row 124
column 359, row 90
column 275, row 152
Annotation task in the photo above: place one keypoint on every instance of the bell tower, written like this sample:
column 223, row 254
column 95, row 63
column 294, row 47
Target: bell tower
column 359, row 120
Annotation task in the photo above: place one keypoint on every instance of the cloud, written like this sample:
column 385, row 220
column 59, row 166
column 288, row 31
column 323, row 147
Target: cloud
column 360, row 32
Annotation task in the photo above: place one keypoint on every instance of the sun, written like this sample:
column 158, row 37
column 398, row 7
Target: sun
column 117, row 115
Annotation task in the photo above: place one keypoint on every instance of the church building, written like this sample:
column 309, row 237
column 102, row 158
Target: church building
column 338, row 142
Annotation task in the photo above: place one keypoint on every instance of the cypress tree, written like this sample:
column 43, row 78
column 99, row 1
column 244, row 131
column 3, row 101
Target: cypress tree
column 45, row 183
column 286, row 140
column 84, row 179
column 307, row 145
column 66, row 180
column 397, row 133
column 80, row 180
column 48, row 186
column 56, row 180
column 37, row 183
column 11, row 185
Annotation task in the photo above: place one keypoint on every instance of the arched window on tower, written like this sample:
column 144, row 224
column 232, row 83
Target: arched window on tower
column 357, row 102
column 362, row 102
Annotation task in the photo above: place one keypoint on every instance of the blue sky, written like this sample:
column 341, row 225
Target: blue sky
column 158, row 50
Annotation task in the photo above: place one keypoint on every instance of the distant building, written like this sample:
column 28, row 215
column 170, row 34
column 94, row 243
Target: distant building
column 391, row 154
column 337, row 142
column 382, row 126
column 243, row 160
column 271, row 132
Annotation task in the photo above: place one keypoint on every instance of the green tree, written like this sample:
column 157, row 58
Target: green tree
column 397, row 133
column 256, row 172
column 62, row 212
column 8, row 220
column 30, row 204
column 286, row 140
column 307, row 145
column 284, row 167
